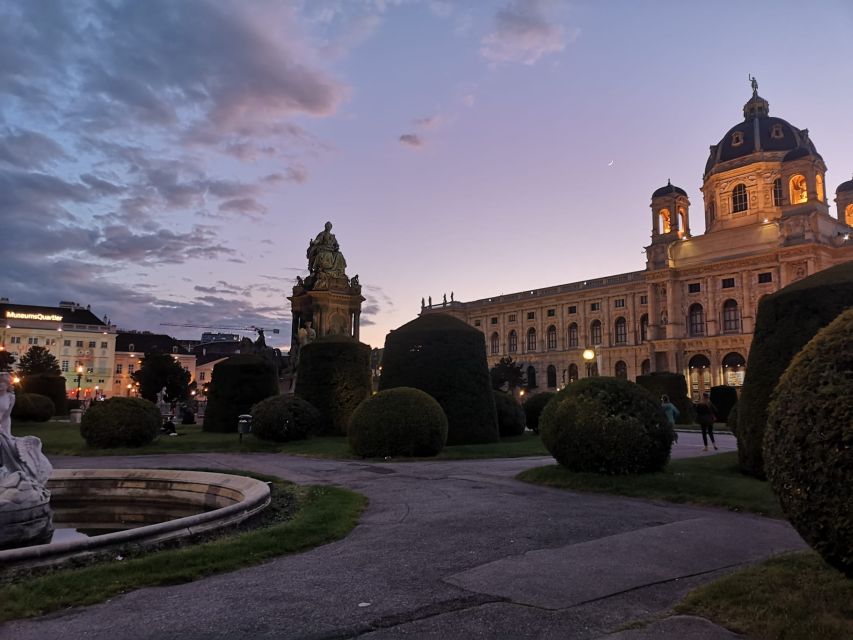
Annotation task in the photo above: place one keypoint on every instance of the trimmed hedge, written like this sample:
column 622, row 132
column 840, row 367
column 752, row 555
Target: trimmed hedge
column 675, row 386
column 398, row 422
column 51, row 386
column 731, row 423
column 236, row 385
column 511, row 418
column 33, row 407
column 723, row 397
column 808, row 444
column 120, row 422
column 533, row 407
column 786, row 321
column 607, row 425
column 334, row 376
column 446, row 358
column 284, row 418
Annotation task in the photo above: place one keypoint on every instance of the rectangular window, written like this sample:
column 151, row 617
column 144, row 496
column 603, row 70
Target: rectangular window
column 513, row 317
column 694, row 287
column 66, row 343
column 573, row 308
column 621, row 333
column 103, row 345
column 476, row 323
column 595, row 306
column 130, row 368
column 79, row 344
column 493, row 320
column 552, row 313
column 728, row 283
column 201, row 376
column 15, row 340
column 619, row 303
column 32, row 340
column 90, row 370
column 119, row 368
column 531, row 315
column 64, row 366
column 764, row 278
column 91, row 344
column 644, row 299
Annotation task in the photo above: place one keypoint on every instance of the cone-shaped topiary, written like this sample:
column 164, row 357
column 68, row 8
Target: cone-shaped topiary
column 446, row 358
column 673, row 385
column 606, row 425
column 511, row 418
column 786, row 320
column 731, row 423
column 533, row 408
column 334, row 376
column 236, row 384
column 808, row 444
column 33, row 407
column 283, row 418
column 398, row 422
column 120, row 422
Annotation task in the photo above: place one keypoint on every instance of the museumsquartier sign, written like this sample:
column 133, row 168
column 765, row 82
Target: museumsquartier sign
column 15, row 315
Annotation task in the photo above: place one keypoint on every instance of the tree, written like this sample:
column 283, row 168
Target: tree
column 39, row 360
column 7, row 359
column 160, row 370
column 507, row 372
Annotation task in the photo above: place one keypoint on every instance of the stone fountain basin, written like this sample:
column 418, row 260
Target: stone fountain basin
column 228, row 500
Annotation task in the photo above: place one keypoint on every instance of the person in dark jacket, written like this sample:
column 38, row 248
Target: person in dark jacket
column 706, row 415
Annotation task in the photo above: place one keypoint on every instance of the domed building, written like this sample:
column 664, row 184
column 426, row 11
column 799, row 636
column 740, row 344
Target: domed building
column 692, row 309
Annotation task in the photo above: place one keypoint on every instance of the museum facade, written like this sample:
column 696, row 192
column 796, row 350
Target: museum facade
column 692, row 309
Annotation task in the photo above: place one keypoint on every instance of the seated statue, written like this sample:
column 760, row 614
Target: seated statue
column 324, row 254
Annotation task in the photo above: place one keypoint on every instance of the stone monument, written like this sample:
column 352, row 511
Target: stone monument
column 327, row 301
column 25, row 516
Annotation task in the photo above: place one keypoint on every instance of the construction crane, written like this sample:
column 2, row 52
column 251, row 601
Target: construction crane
column 258, row 330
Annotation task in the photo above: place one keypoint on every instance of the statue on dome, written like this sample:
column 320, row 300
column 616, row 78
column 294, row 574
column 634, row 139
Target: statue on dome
column 324, row 254
column 754, row 84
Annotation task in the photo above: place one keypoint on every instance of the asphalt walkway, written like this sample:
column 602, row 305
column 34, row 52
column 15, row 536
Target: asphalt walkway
column 448, row 549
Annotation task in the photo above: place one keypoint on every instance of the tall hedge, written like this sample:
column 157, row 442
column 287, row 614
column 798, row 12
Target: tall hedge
column 808, row 443
column 786, row 321
column 446, row 358
column 723, row 398
column 533, row 407
column 236, row 384
column 51, row 386
column 675, row 386
column 511, row 416
column 334, row 376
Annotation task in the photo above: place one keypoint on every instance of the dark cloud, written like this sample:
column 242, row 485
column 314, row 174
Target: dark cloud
column 24, row 149
column 411, row 140
column 525, row 30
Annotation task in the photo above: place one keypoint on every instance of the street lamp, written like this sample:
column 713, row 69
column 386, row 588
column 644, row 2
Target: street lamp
column 129, row 387
column 79, row 378
column 588, row 356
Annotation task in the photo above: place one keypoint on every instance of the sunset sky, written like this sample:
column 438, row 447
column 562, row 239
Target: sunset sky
column 168, row 160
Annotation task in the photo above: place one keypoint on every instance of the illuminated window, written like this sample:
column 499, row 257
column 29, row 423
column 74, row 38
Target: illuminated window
column 531, row 339
column 798, row 190
column 551, row 338
column 682, row 221
column 644, row 327
column 595, row 332
column 696, row 320
column 737, row 138
column 740, row 202
column 819, row 186
column 848, row 215
column 620, row 331
column 495, row 343
column 513, row 341
column 665, row 221
column 621, row 370
column 573, row 335
column 731, row 317
column 777, row 192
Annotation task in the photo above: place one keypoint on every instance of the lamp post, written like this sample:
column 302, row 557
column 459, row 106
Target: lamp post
column 129, row 387
column 79, row 378
column 588, row 356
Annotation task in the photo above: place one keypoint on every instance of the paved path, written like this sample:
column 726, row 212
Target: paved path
column 447, row 549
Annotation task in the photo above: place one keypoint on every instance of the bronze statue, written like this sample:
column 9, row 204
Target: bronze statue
column 324, row 254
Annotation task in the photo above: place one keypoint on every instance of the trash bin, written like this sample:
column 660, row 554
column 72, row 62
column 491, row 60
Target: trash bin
column 244, row 424
column 76, row 415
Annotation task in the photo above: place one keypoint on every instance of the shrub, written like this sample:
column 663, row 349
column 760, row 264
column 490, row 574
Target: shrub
column 446, row 358
column 808, row 443
column 236, row 384
column 398, row 422
column 334, row 376
column 283, row 418
column 120, row 422
column 673, row 385
column 731, row 423
column 723, row 398
column 786, row 321
column 533, row 407
column 511, row 418
column 33, row 407
column 51, row 386
column 607, row 425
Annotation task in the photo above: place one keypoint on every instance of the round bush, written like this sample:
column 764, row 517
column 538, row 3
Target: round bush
column 51, row 386
column 120, row 422
column 606, row 425
column 808, row 445
column 533, row 407
column 446, row 358
column 33, row 407
column 284, row 418
column 398, row 422
column 334, row 376
column 236, row 385
column 510, row 415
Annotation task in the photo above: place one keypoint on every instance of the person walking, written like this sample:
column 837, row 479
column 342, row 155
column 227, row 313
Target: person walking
column 706, row 415
column 669, row 409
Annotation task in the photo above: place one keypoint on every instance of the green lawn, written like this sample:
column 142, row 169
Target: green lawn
column 791, row 597
column 709, row 480
column 63, row 438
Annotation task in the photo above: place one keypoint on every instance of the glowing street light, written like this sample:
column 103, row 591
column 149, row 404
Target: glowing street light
column 588, row 356
column 79, row 378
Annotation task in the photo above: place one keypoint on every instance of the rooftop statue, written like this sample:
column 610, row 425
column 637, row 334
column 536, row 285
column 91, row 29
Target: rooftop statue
column 324, row 254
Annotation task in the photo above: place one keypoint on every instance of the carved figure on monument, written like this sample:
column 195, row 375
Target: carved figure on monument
column 423, row 304
column 444, row 301
column 324, row 254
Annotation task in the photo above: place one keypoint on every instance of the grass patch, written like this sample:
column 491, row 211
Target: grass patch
column 791, row 597
column 527, row 444
column 709, row 480
column 324, row 514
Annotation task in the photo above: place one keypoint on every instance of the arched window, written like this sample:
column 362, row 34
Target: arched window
column 682, row 221
column 551, row 338
column 777, row 192
column 819, row 186
column 700, row 376
column 740, row 201
column 495, row 343
column 531, row 339
column 848, row 215
column 734, row 368
column 595, row 332
column 646, row 367
column 665, row 220
column 620, row 331
column 798, row 190
column 644, row 327
column 573, row 333
column 712, row 210
column 696, row 320
column 573, row 373
column 621, row 370
column 129, row 347
column 731, row 317
column 552, row 376
column 513, row 341
column 531, row 377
